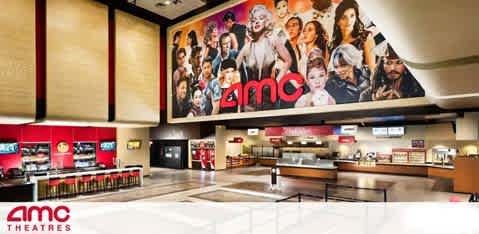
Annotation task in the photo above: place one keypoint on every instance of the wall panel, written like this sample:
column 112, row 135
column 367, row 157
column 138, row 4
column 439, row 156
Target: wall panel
column 77, row 60
column 17, row 59
column 134, row 157
column 137, row 71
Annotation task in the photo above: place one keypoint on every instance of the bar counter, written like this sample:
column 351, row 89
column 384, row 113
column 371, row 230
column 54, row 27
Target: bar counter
column 73, row 182
column 322, row 172
column 267, row 161
column 16, row 190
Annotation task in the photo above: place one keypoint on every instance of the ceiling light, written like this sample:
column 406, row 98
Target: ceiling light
column 167, row 2
column 290, row 142
column 318, row 142
column 304, row 142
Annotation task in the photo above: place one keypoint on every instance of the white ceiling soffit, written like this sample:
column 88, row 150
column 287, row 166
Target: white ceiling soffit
column 427, row 31
column 438, row 41
column 172, row 10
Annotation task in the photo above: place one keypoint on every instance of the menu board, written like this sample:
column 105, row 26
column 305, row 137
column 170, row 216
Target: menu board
column 36, row 156
column 380, row 132
column 396, row 131
column 84, row 154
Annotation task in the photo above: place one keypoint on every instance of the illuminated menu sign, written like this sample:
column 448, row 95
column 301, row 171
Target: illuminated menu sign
column 380, row 132
column 396, row 131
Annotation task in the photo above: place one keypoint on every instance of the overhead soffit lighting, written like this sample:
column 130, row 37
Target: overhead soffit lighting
column 164, row 3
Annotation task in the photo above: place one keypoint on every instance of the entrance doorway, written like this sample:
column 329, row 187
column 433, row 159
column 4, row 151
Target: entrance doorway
column 169, row 154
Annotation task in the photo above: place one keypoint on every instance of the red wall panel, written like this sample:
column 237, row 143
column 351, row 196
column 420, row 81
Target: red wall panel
column 105, row 157
column 36, row 133
column 60, row 134
column 84, row 134
column 55, row 134
column 10, row 133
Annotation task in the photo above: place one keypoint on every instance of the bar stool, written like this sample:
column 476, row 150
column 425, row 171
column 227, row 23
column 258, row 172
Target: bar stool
column 135, row 175
column 53, row 190
column 125, row 179
column 70, row 188
column 85, row 185
column 99, row 179
column 113, row 180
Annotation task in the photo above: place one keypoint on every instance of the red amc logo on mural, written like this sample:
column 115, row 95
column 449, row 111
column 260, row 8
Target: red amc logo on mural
column 36, row 219
column 277, row 90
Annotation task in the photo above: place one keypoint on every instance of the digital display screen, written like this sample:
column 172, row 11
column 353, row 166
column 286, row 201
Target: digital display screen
column 108, row 146
column 133, row 144
column 380, row 131
column 8, row 148
column 396, row 131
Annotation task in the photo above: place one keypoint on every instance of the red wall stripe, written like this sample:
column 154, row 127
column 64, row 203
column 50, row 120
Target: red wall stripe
column 40, row 56
column 111, row 63
column 162, row 69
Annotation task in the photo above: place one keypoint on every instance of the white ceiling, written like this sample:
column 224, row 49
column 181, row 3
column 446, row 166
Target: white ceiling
column 171, row 11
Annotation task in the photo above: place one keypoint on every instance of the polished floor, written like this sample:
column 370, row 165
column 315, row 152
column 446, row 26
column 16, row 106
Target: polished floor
column 252, row 184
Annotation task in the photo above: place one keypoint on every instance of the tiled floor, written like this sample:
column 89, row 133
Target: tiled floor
column 253, row 185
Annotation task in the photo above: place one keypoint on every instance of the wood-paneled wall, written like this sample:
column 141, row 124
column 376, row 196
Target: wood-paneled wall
column 77, row 60
column 17, row 59
column 137, row 69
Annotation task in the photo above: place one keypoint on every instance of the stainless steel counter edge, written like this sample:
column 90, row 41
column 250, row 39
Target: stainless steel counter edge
column 402, row 164
column 306, row 166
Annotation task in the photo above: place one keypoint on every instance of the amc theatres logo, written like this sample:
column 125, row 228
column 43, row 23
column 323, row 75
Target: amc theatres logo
column 37, row 219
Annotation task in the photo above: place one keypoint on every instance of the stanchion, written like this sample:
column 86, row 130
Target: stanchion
column 274, row 176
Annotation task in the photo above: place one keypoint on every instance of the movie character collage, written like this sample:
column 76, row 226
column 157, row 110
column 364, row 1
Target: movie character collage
column 332, row 45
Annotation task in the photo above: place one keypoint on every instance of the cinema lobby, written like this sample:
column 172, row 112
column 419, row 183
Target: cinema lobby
column 239, row 101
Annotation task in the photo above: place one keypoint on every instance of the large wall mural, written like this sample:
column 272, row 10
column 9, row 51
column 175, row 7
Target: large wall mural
column 280, row 54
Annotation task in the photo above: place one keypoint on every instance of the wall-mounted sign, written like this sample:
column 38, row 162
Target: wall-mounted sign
column 237, row 140
column 349, row 129
column 417, row 143
column 395, row 131
column 62, row 147
column 276, row 141
column 323, row 130
column 253, row 131
column 346, row 139
column 380, row 132
column 251, row 74
column 133, row 144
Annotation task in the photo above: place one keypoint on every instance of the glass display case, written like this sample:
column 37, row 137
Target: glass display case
column 262, row 151
column 399, row 156
column 409, row 155
column 35, row 157
column 84, row 154
column 308, row 160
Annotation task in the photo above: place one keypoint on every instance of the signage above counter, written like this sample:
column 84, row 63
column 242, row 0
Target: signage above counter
column 389, row 131
column 323, row 130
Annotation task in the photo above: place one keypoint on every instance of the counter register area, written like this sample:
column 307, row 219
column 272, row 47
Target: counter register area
column 310, row 157
column 43, row 162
